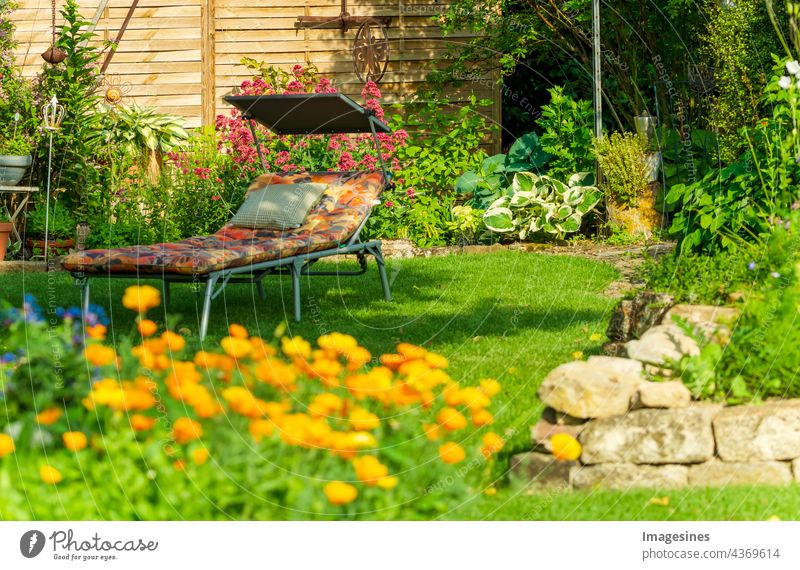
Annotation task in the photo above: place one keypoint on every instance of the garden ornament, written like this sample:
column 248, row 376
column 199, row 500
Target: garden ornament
column 53, row 114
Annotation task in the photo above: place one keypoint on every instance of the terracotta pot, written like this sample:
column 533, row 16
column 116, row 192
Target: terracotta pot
column 5, row 236
column 641, row 219
column 54, row 246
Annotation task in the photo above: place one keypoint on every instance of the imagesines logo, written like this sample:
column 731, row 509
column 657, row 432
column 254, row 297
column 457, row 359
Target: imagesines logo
column 31, row 543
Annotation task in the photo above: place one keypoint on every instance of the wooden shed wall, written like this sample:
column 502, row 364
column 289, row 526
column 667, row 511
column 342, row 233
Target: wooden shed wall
column 182, row 58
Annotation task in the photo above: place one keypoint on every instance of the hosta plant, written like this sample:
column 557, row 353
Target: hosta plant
column 540, row 204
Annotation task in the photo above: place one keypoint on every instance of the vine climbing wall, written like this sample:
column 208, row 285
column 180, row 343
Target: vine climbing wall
column 183, row 57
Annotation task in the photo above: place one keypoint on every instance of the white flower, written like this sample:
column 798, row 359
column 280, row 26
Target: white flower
column 785, row 82
column 792, row 67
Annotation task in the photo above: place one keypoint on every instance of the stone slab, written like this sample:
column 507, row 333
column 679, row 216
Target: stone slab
column 624, row 476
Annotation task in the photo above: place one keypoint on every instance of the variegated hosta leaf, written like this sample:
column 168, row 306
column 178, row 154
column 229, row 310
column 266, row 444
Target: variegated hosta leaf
column 500, row 220
column 590, row 199
column 523, row 182
column 501, row 202
column 580, row 179
column 574, row 195
column 570, row 224
column 563, row 212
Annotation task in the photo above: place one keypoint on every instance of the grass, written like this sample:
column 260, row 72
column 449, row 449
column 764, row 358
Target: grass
column 511, row 316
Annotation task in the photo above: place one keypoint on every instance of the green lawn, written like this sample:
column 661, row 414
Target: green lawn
column 511, row 316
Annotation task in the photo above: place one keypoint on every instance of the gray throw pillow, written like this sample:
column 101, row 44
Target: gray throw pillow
column 278, row 206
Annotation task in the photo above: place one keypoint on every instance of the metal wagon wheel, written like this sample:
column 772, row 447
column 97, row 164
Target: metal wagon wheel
column 371, row 51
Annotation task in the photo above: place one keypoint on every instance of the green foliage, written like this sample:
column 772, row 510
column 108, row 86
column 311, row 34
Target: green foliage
column 736, row 203
column 739, row 43
column 60, row 224
column 16, row 146
column 18, row 115
column 567, row 134
column 540, row 204
column 688, row 158
column 623, row 160
column 466, row 223
column 138, row 132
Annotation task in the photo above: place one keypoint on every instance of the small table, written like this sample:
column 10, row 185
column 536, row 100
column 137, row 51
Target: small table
column 12, row 217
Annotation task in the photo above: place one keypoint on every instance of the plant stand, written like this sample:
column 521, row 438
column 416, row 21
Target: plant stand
column 26, row 192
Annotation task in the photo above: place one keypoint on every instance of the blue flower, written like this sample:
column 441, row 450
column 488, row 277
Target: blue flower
column 751, row 266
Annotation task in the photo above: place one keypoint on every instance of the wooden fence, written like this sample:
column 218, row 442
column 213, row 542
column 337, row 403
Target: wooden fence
column 182, row 58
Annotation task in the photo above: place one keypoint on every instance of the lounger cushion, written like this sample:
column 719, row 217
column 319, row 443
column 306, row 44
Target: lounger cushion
column 345, row 204
column 278, row 206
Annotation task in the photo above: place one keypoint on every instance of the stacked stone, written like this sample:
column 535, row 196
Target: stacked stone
column 639, row 433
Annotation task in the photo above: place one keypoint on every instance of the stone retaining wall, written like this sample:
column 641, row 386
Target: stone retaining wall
column 637, row 432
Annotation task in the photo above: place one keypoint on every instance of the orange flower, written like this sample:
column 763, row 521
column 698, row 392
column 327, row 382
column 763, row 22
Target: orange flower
column 200, row 455
column 369, row 470
column 481, row 418
column 99, row 355
column 260, row 428
column 146, row 327
column 236, row 347
column 490, row 387
column 492, row 443
column 565, row 447
column 474, row 399
column 6, row 445
column 296, row 346
column 185, row 430
column 339, row 493
column 97, row 332
column 238, row 331
column 451, row 419
column 325, row 404
column 173, row 341
column 179, row 465
column 364, row 420
column 452, row 453
column 50, row 475
column 74, row 440
column 432, row 431
column 141, row 298
column 49, row 416
column 411, row 351
column 142, row 423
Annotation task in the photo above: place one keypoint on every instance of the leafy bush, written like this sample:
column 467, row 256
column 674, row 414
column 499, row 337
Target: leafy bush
column 61, row 224
column 567, row 134
column 542, row 204
column 18, row 114
column 344, row 437
column 17, row 146
column 623, row 160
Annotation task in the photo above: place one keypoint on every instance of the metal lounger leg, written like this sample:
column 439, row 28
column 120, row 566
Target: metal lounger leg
column 166, row 292
column 212, row 281
column 85, row 298
column 376, row 251
column 261, row 292
column 295, row 269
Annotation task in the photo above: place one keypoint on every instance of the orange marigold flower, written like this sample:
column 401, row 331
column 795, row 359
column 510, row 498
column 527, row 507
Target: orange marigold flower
column 97, row 332
column 369, row 470
column 185, row 430
column 49, row 416
column 6, row 445
column 325, row 404
column 452, row 453
column 411, row 351
column 74, row 440
column 200, row 455
column 261, row 348
column 451, row 419
column 339, row 493
column 141, row 298
column 236, row 347
column 238, row 331
column 296, row 347
column 481, row 418
column 50, row 475
column 146, row 327
column 432, row 431
column 392, row 361
column 142, row 423
column 474, row 399
column 173, row 341
column 337, row 342
column 490, row 387
column 179, row 465
column 357, row 357
column 492, row 443
column 100, row 355
column 261, row 428
column 364, row 420
column 565, row 447
column 436, row 360
column 276, row 373
column 452, row 394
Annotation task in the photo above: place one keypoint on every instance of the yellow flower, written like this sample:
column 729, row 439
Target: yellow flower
column 50, row 475
column 6, row 445
column 172, row 341
column 142, row 423
column 435, row 360
column 146, row 327
column 325, row 404
column 577, row 355
column 451, row 419
column 490, row 387
column 236, row 347
column 565, row 447
column 74, row 440
column 99, row 355
column 338, row 343
column 185, row 430
column 387, row 482
column 339, row 493
column 474, row 399
column 200, row 455
column 596, row 337
column 49, row 416
column 481, row 418
column 296, row 346
column 97, row 332
column 238, row 331
column 492, row 443
column 141, row 298
column 369, row 470
column 452, row 453
column 364, row 420
column 490, row 491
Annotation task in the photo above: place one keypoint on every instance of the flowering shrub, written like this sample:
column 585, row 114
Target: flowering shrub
column 284, row 153
column 253, row 425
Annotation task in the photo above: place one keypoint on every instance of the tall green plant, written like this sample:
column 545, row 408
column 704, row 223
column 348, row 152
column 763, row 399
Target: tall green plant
column 567, row 133
column 623, row 159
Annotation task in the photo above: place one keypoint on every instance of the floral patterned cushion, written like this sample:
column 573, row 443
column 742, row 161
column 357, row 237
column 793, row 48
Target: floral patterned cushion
column 332, row 222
